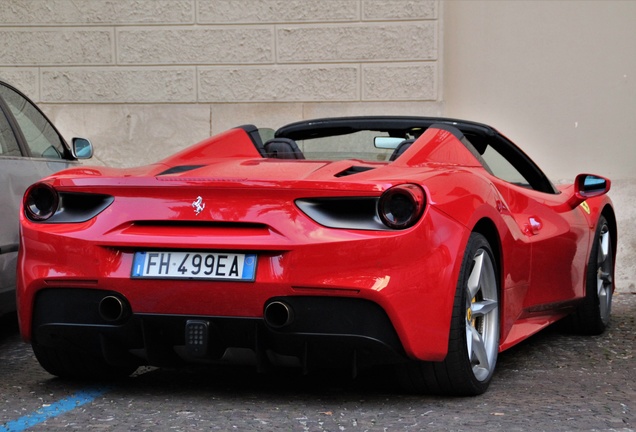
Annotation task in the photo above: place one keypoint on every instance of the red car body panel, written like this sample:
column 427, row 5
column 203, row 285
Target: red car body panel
column 543, row 240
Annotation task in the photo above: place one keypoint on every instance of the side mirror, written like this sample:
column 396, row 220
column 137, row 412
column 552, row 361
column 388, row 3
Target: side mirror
column 588, row 186
column 82, row 148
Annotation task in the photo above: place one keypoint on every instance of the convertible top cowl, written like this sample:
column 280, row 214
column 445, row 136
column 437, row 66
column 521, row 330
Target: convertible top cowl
column 440, row 144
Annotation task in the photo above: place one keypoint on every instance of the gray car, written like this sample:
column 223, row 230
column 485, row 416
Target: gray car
column 30, row 149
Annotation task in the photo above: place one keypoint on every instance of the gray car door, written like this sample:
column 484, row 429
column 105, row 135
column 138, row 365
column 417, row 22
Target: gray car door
column 30, row 149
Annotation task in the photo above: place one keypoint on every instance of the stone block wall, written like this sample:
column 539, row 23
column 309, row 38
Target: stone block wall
column 143, row 78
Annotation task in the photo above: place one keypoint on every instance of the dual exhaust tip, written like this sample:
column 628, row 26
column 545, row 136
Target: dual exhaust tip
column 112, row 308
column 277, row 314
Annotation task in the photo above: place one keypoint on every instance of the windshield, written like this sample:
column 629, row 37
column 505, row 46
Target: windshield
column 358, row 145
column 365, row 145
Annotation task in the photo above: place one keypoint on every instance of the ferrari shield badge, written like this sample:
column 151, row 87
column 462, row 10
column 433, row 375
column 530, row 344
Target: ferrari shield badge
column 198, row 205
column 585, row 207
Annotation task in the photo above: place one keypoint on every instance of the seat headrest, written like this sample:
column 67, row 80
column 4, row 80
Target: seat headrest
column 401, row 148
column 283, row 148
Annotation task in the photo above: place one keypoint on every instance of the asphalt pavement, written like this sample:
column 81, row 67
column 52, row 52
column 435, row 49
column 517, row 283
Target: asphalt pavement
column 554, row 381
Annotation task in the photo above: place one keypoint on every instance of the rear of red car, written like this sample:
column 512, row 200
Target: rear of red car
column 181, row 267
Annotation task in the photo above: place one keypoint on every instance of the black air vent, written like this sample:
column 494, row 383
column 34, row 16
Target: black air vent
column 353, row 170
column 179, row 169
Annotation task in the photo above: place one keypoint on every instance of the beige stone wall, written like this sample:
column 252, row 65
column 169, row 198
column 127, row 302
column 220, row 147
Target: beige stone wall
column 142, row 78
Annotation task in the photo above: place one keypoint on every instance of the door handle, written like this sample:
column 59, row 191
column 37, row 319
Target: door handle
column 533, row 226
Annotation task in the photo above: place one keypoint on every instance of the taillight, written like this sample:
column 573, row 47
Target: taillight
column 40, row 202
column 402, row 206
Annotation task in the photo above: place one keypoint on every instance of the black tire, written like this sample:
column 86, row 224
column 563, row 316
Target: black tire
column 465, row 371
column 593, row 315
column 78, row 365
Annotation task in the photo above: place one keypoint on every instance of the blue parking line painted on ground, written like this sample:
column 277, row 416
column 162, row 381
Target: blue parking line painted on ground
column 55, row 409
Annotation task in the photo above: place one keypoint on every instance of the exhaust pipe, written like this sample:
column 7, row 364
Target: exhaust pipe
column 112, row 308
column 278, row 314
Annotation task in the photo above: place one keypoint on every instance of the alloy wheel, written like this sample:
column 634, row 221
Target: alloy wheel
column 482, row 324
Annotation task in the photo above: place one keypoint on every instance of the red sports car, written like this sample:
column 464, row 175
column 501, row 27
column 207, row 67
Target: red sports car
column 430, row 244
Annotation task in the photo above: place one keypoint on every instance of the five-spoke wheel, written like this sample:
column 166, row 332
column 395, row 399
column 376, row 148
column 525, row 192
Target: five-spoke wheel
column 474, row 335
column 482, row 320
column 593, row 314
column 604, row 274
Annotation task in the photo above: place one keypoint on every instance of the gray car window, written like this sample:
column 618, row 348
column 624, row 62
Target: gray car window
column 41, row 138
column 503, row 168
column 8, row 143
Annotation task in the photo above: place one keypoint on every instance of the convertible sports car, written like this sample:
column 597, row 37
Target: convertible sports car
column 429, row 244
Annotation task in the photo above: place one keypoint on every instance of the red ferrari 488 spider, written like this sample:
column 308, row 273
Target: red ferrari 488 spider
column 430, row 244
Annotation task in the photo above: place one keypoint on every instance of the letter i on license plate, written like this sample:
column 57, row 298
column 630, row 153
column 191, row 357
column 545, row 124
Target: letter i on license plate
column 194, row 265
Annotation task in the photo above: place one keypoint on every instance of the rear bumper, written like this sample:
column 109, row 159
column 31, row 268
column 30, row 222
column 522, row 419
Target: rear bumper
column 324, row 332
column 409, row 275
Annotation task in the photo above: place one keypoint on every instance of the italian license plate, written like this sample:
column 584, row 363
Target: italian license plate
column 194, row 265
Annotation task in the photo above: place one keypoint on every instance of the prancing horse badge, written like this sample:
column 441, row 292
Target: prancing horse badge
column 198, row 205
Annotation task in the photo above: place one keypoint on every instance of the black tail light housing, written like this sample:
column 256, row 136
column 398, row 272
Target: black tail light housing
column 41, row 202
column 401, row 206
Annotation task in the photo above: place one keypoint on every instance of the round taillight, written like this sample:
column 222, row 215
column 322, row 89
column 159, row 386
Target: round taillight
column 402, row 206
column 40, row 202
